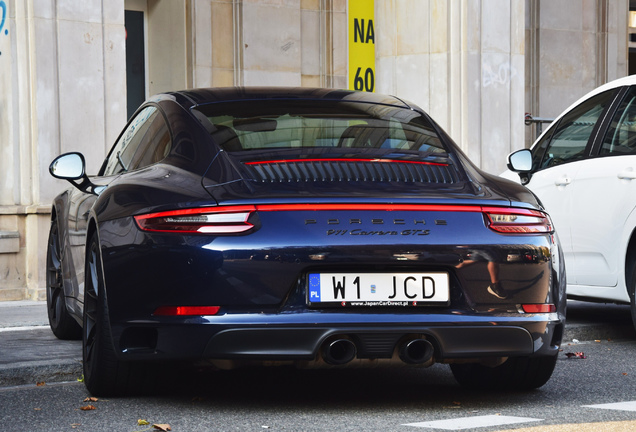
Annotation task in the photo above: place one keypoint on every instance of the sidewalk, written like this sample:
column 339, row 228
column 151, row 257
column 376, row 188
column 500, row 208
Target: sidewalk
column 30, row 353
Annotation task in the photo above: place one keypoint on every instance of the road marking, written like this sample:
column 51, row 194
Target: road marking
column 473, row 422
column 621, row 406
column 618, row 426
column 23, row 328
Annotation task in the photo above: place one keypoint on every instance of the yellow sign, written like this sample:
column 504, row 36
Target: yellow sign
column 361, row 45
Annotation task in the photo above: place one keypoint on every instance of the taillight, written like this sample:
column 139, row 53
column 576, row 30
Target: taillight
column 234, row 219
column 186, row 310
column 517, row 221
column 205, row 220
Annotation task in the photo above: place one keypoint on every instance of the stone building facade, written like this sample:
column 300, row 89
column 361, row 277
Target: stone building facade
column 475, row 65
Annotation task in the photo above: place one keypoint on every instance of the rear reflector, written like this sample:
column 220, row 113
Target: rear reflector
column 538, row 308
column 186, row 310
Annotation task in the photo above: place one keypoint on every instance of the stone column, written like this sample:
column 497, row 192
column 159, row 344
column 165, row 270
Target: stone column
column 62, row 88
column 572, row 48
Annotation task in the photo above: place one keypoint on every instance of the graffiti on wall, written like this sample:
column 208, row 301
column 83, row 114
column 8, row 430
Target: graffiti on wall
column 3, row 18
column 497, row 76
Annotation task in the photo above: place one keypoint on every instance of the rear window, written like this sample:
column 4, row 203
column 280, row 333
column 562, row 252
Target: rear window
column 270, row 125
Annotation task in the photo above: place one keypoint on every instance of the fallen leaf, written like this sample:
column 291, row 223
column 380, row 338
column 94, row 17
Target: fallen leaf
column 91, row 399
column 81, row 379
column 597, row 340
column 40, row 384
column 456, row 403
column 142, row 422
column 162, row 427
column 624, row 373
column 88, row 408
column 40, row 409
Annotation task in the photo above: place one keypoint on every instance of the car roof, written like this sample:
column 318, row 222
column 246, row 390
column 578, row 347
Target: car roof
column 620, row 82
column 203, row 96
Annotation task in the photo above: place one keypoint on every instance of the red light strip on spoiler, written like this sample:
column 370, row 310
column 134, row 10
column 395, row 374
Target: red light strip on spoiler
column 234, row 219
column 285, row 161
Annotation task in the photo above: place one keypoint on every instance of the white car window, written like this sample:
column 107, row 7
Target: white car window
column 573, row 132
column 621, row 135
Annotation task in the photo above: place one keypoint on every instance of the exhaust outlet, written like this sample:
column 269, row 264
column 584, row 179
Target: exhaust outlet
column 416, row 351
column 339, row 351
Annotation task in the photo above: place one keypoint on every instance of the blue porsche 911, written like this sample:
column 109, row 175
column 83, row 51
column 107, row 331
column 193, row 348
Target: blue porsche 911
column 306, row 227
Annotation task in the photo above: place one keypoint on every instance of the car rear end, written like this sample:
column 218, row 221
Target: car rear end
column 342, row 252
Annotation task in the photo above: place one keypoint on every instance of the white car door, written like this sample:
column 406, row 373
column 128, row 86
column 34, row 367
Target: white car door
column 603, row 195
column 558, row 159
column 552, row 186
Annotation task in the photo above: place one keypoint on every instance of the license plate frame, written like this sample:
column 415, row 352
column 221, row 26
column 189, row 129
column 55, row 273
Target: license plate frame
column 388, row 289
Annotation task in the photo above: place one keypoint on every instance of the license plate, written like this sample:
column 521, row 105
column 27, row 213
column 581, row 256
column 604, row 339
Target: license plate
column 378, row 289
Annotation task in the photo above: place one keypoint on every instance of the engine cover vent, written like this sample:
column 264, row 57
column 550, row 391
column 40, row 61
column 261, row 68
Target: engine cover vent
column 329, row 170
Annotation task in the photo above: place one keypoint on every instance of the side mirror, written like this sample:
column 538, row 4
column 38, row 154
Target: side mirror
column 69, row 166
column 520, row 161
column 72, row 167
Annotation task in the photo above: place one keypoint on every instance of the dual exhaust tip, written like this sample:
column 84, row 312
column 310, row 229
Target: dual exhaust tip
column 341, row 351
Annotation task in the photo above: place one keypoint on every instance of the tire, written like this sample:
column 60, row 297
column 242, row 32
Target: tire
column 61, row 322
column 632, row 288
column 517, row 373
column 104, row 374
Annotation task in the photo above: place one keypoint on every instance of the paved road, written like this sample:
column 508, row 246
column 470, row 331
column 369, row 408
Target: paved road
column 402, row 400
column 282, row 399
column 29, row 352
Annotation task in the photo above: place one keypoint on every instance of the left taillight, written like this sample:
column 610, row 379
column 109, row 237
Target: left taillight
column 517, row 221
column 207, row 220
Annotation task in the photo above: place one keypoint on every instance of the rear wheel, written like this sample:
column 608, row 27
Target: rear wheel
column 517, row 373
column 62, row 323
column 104, row 374
column 632, row 290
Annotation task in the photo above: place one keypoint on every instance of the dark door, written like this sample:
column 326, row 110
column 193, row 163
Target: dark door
column 135, row 61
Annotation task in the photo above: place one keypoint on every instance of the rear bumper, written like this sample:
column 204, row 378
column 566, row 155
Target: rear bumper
column 286, row 337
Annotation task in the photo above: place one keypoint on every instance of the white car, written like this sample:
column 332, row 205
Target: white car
column 583, row 169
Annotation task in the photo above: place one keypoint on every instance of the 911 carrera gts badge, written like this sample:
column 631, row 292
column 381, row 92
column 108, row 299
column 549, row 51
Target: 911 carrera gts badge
column 359, row 232
column 376, row 221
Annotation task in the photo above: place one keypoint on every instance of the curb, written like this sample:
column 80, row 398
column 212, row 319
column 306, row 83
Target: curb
column 590, row 332
column 33, row 372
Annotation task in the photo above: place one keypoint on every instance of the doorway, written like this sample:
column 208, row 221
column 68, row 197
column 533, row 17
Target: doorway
column 135, row 60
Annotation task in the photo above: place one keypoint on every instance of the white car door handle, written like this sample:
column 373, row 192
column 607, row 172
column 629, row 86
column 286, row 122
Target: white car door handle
column 563, row 181
column 627, row 174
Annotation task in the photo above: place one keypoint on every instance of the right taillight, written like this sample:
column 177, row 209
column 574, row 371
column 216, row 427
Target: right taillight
column 517, row 221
